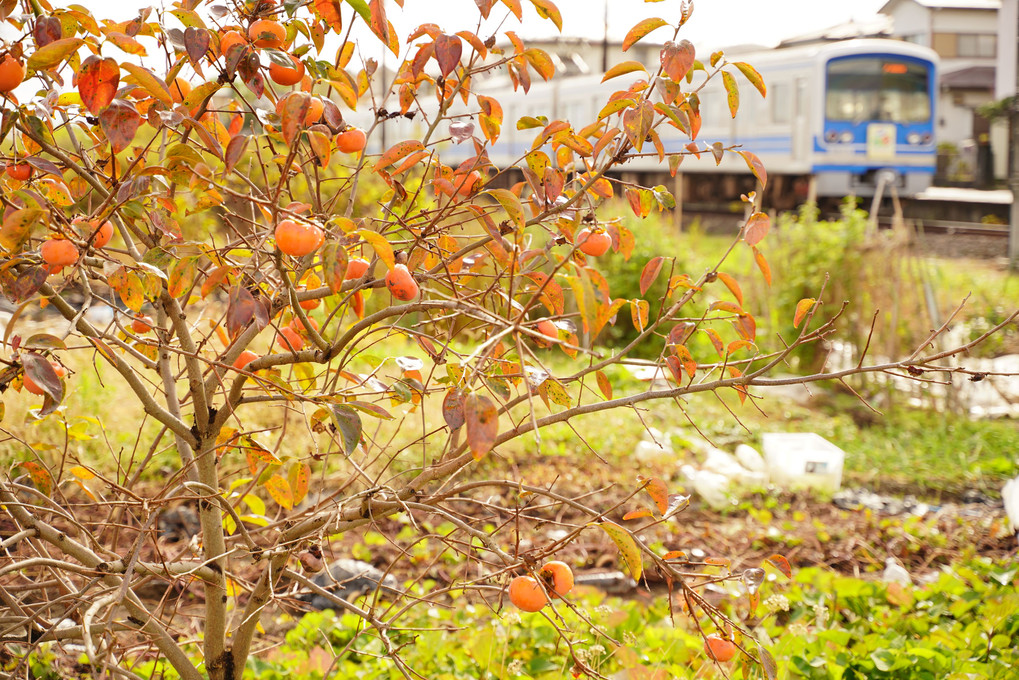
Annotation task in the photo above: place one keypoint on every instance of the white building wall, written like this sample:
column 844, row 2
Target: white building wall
column 1008, row 23
column 964, row 21
column 910, row 19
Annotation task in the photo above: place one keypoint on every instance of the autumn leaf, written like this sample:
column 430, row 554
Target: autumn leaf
column 482, row 421
column 650, row 273
column 398, row 151
column 781, row 563
column 677, row 59
column 642, row 28
column 120, row 121
column 756, row 228
column 659, row 493
column 629, row 553
column 97, row 82
column 802, row 307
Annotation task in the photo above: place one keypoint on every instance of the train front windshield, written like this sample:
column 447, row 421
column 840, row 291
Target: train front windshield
column 879, row 88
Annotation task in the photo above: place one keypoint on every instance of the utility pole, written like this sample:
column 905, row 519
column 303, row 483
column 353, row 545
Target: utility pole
column 1013, row 166
column 605, row 41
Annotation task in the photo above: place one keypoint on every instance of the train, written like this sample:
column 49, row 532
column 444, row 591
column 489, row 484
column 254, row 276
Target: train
column 840, row 118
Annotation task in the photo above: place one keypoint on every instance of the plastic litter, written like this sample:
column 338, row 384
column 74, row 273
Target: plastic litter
column 803, row 460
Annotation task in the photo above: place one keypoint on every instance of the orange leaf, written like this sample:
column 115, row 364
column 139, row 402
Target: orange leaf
column 732, row 285
column 802, row 307
column 638, row 514
column 299, row 480
column 547, row 10
column 639, row 311
column 659, row 493
column 603, row 384
column 380, row 245
column 650, row 273
column 677, row 59
column 756, row 166
column 97, row 82
column 756, row 228
column 762, row 264
column 640, row 30
column 780, row 563
column 398, row 151
column 621, row 69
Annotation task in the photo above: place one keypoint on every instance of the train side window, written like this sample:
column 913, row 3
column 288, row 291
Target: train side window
column 781, row 102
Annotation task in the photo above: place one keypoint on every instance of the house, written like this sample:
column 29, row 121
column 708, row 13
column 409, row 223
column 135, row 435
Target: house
column 964, row 33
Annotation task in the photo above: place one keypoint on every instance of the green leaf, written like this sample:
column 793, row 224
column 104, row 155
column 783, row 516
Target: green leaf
column 348, row 422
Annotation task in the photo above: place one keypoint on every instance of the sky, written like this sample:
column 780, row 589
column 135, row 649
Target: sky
column 715, row 23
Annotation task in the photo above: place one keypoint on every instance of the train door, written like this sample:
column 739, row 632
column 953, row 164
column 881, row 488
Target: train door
column 801, row 126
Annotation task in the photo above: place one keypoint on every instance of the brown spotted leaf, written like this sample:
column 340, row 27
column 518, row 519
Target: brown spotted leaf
column 120, row 121
column 629, row 553
column 453, row 408
column 97, row 82
column 280, row 491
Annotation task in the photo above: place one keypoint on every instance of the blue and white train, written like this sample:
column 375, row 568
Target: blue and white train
column 835, row 116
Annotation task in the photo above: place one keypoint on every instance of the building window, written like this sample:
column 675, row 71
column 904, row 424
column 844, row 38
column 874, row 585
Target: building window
column 971, row 45
column 977, row 45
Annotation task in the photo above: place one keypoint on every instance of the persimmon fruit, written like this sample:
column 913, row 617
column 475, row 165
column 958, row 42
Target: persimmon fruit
column 719, row 648
column 229, row 39
column 287, row 75
column 12, row 73
column 401, row 284
column 245, row 358
column 356, row 268
column 351, row 140
column 179, row 89
column 289, row 339
column 315, row 111
column 33, row 387
column 141, row 324
column 548, row 329
column 527, row 594
column 558, row 576
column 593, row 243
column 267, row 33
column 59, row 252
column 19, row 171
column 103, row 233
column 297, row 238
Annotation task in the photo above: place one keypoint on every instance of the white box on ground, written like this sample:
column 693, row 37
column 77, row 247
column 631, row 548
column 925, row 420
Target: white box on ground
column 803, row 460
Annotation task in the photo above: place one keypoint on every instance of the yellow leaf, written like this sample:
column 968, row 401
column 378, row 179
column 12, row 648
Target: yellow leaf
column 629, row 553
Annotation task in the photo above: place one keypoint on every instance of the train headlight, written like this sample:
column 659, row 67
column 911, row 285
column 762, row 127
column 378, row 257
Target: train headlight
column 846, row 137
column 914, row 138
column 831, row 136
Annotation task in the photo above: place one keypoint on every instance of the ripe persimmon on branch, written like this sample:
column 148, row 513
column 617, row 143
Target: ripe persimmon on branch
column 212, row 179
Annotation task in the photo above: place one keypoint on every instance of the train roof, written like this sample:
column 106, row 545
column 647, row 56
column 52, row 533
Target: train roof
column 837, row 48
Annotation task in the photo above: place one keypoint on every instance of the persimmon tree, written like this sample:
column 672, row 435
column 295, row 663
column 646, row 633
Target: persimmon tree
column 126, row 141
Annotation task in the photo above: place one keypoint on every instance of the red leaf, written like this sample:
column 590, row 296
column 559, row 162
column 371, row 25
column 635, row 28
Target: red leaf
column 650, row 273
column 120, row 121
column 677, row 59
column 756, row 228
column 448, row 49
column 235, row 151
column 482, row 421
column 196, row 43
column 453, row 408
column 295, row 110
column 97, row 82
